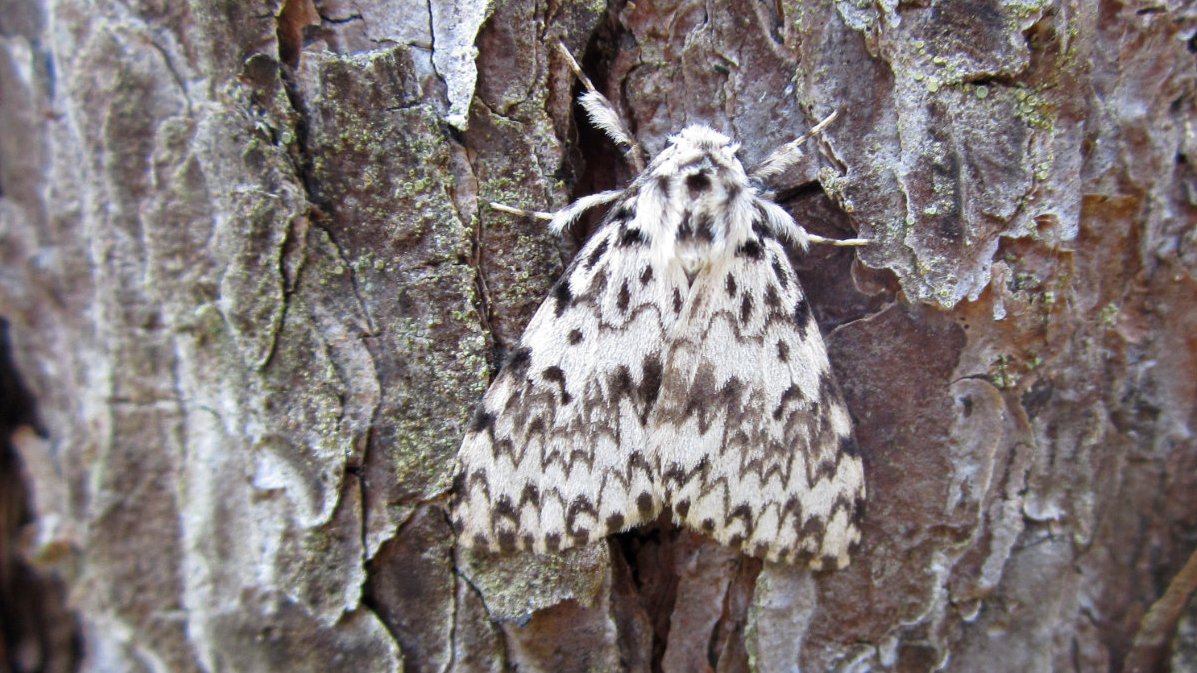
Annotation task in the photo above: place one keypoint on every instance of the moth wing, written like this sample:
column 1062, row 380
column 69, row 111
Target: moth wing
column 754, row 439
column 555, row 454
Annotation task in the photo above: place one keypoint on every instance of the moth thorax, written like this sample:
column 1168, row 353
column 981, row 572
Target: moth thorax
column 700, row 228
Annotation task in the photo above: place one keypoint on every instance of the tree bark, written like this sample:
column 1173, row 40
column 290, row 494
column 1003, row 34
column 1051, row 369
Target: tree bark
column 252, row 292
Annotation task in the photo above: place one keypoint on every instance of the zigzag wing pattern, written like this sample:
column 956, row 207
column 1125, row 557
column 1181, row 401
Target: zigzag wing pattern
column 753, row 438
column 555, row 454
column 676, row 364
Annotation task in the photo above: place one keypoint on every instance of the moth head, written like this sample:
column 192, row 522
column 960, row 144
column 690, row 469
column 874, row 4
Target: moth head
column 700, row 150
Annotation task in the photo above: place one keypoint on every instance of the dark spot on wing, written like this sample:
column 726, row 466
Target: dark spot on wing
column 677, row 300
column 575, row 337
column 742, row 512
column 517, row 361
column 771, row 298
column 650, row 382
column 596, row 254
column 802, row 316
column 783, row 351
column 646, row 276
column 536, row 427
column 615, row 523
column 580, row 505
column 812, row 528
column 621, row 302
column 459, row 485
column 621, row 382
column 824, row 469
column 675, row 474
column 750, row 249
column 638, row 461
column 746, row 308
column 665, row 184
column 563, row 296
column 556, row 375
column 730, row 284
column 482, row 420
column 848, row 446
column 552, row 542
column 791, row 393
column 708, row 525
column 632, row 236
column 780, row 272
column 507, row 541
column 530, row 494
column 644, row 503
column 682, row 508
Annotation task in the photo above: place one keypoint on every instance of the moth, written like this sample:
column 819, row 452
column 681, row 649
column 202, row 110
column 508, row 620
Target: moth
column 676, row 365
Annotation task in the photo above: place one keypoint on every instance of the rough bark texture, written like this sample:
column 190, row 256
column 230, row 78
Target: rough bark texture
column 252, row 293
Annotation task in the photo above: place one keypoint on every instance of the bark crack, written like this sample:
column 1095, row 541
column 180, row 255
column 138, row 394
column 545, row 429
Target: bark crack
column 461, row 576
column 301, row 161
column 340, row 21
column 432, row 49
column 452, row 662
column 174, row 73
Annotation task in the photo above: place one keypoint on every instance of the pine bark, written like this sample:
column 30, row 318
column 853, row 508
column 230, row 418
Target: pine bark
column 252, row 291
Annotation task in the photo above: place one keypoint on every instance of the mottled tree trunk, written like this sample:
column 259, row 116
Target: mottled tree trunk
column 252, row 291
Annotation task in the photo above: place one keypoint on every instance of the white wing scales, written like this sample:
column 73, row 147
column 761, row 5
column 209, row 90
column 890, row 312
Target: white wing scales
column 556, row 454
column 753, row 440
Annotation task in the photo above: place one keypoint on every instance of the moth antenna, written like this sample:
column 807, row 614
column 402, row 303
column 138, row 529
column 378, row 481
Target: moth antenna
column 788, row 154
column 537, row 214
column 838, row 242
column 604, row 115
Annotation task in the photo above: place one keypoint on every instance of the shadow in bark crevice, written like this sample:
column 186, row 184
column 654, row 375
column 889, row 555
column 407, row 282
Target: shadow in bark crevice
column 38, row 634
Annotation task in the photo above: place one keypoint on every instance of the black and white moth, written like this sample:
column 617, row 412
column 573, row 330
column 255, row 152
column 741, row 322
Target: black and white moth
column 675, row 365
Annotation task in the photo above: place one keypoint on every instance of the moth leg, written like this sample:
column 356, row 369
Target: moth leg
column 776, row 164
column 561, row 219
column 838, row 242
column 778, row 220
column 789, row 154
column 604, row 115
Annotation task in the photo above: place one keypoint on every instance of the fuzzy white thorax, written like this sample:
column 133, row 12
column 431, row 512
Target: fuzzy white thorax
column 696, row 198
